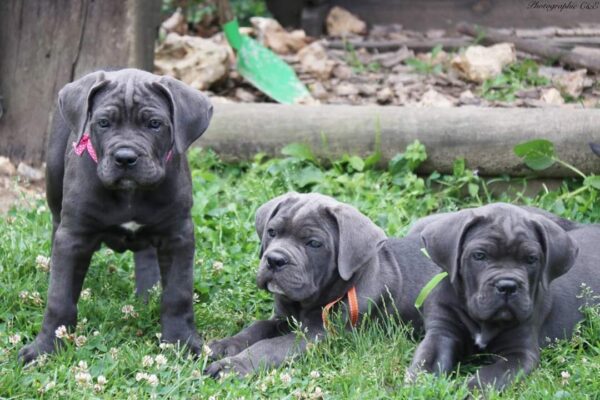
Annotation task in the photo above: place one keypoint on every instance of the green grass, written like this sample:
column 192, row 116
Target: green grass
column 368, row 363
column 514, row 77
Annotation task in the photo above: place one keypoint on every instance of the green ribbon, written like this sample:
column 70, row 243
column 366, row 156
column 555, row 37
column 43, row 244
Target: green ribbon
column 430, row 285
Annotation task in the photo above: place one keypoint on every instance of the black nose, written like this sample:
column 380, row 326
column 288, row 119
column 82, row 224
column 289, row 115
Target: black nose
column 276, row 260
column 125, row 157
column 506, row 286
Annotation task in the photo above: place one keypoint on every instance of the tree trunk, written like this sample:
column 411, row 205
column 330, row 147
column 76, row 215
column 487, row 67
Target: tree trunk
column 46, row 44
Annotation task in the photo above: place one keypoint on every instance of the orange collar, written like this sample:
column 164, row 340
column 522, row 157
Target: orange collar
column 352, row 304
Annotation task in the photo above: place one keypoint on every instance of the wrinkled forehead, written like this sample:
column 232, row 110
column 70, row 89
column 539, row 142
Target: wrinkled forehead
column 507, row 232
column 302, row 217
column 130, row 92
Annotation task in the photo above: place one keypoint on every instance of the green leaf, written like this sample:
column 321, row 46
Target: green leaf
column 428, row 288
column 309, row 175
column 300, row 151
column 458, row 168
column 537, row 154
column 357, row 163
column 473, row 189
column 593, row 181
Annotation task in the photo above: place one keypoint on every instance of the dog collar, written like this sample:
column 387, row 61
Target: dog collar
column 85, row 144
column 352, row 304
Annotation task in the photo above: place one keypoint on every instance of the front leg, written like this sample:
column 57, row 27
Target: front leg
column 259, row 330
column 437, row 353
column 267, row 353
column 176, row 261
column 501, row 373
column 70, row 260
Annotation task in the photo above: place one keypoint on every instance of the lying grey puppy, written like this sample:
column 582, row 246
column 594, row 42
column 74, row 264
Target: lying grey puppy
column 117, row 174
column 314, row 250
column 514, row 277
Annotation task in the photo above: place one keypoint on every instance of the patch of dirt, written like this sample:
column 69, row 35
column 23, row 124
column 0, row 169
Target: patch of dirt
column 16, row 190
column 389, row 65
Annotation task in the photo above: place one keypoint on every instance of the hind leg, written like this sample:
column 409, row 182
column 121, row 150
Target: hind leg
column 147, row 271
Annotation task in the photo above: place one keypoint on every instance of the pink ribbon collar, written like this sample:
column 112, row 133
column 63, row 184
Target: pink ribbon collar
column 85, row 144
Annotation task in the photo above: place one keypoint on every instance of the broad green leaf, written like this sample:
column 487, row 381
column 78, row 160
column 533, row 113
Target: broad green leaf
column 300, row 151
column 537, row 154
column 593, row 181
column 357, row 163
column 308, row 176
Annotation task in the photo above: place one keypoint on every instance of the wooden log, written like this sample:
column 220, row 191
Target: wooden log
column 425, row 45
column 46, row 44
column 573, row 58
column 485, row 137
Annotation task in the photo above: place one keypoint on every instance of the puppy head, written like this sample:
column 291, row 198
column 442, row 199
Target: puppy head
column 134, row 119
column 499, row 258
column 310, row 241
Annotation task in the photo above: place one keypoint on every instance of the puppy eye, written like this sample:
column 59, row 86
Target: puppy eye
column 479, row 256
column 103, row 123
column 155, row 124
column 531, row 259
column 271, row 232
column 315, row 244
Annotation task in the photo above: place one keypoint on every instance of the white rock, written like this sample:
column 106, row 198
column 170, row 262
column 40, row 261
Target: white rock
column 433, row 98
column 552, row 96
column 271, row 34
column 30, row 173
column 346, row 89
column 314, row 60
column 196, row 61
column 341, row 22
column 479, row 63
column 6, row 167
column 571, row 83
column 385, row 95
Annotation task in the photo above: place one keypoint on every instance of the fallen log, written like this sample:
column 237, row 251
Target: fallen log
column 426, row 45
column 485, row 137
column 575, row 58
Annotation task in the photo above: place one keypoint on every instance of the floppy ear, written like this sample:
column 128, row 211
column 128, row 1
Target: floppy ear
column 191, row 111
column 268, row 211
column 359, row 239
column 75, row 100
column 560, row 252
column 443, row 239
column 595, row 148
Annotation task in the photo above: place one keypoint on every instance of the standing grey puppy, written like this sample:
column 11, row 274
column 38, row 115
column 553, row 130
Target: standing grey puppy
column 117, row 174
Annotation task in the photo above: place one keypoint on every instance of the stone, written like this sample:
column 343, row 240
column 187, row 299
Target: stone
column 245, row 95
column 346, row 89
column 478, row 63
column 314, row 60
column 552, row 96
column 6, row 167
column 193, row 60
column 433, row 98
column 385, row 95
column 571, row 83
column 30, row 173
column 271, row 34
column 341, row 22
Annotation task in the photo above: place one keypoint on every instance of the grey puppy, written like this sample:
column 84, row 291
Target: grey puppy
column 314, row 249
column 117, row 174
column 515, row 274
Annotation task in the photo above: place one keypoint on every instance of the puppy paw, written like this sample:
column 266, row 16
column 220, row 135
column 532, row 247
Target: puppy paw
column 35, row 349
column 225, row 348
column 229, row 365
